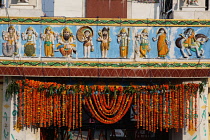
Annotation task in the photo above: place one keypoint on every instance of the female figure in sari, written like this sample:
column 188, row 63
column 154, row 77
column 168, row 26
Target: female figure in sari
column 162, row 43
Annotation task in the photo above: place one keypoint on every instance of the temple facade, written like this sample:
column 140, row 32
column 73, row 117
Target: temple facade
column 85, row 69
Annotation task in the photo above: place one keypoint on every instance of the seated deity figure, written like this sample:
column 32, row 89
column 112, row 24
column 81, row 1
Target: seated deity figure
column 48, row 37
column 10, row 48
column 65, row 43
column 30, row 46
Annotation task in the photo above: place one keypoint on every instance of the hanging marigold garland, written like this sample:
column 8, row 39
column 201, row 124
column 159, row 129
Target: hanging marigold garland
column 45, row 104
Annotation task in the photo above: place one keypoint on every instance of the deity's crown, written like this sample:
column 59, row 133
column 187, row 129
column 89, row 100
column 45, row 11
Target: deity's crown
column 145, row 31
column 48, row 28
column 123, row 30
column 30, row 28
column 66, row 29
column 11, row 27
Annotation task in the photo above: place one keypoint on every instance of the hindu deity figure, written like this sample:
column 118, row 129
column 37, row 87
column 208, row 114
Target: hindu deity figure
column 162, row 43
column 190, row 41
column 49, row 36
column 85, row 34
column 65, row 43
column 123, row 39
column 105, row 39
column 143, row 40
column 191, row 2
column 30, row 36
column 10, row 48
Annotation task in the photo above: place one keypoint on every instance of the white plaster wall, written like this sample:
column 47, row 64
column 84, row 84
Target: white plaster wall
column 192, row 14
column 69, row 8
column 144, row 10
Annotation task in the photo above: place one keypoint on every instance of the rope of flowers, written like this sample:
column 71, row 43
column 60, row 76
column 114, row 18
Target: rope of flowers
column 45, row 104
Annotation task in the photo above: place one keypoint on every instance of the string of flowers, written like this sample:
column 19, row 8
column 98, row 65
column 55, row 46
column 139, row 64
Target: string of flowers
column 45, row 104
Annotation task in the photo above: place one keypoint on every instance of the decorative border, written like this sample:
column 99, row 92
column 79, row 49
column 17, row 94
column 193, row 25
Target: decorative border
column 103, row 21
column 114, row 65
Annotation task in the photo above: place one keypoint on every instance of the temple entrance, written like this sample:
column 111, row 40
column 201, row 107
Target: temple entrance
column 101, row 134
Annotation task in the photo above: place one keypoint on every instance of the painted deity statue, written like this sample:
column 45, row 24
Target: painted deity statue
column 162, row 42
column 143, row 40
column 10, row 48
column 191, row 2
column 30, row 36
column 65, row 43
column 48, row 37
column 123, row 39
column 190, row 41
column 88, row 43
column 105, row 40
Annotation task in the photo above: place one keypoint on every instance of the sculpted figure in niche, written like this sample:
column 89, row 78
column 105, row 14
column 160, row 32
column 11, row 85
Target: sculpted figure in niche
column 190, row 41
column 10, row 48
column 65, row 43
column 88, row 43
column 49, row 36
column 30, row 36
column 105, row 40
column 162, row 43
column 191, row 2
column 85, row 34
column 123, row 39
column 143, row 39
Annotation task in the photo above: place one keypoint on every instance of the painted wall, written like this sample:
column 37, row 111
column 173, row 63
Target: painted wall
column 144, row 10
column 154, row 42
column 202, row 132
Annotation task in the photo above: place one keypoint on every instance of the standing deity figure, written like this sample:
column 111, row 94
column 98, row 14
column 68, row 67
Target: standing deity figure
column 123, row 39
column 30, row 36
column 48, row 37
column 65, row 43
column 162, row 43
column 143, row 40
column 88, row 43
column 10, row 48
column 191, row 2
column 105, row 39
